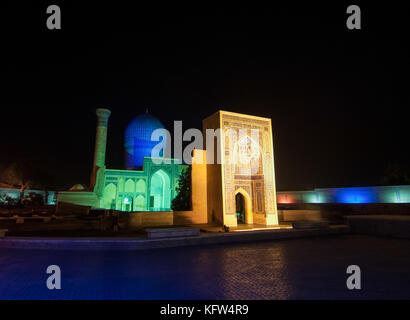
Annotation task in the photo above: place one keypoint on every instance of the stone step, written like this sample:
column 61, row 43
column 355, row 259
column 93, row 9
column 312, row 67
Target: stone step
column 309, row 224
column 171, row 232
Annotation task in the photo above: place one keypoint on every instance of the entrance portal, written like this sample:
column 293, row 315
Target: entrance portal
column 240, row 208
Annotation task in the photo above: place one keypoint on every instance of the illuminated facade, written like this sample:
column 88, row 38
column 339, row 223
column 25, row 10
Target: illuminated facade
column 241, row 187
column 145, row 185
column 149, row 189
column 238, row 189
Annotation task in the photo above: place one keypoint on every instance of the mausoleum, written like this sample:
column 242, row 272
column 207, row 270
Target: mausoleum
column 145, row 185
column 234, row 184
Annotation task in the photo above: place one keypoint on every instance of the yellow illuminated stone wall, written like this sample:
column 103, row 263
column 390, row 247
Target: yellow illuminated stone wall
column 254, row 178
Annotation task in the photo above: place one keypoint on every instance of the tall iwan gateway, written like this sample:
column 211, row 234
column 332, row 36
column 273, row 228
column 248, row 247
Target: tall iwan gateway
column 241, row 187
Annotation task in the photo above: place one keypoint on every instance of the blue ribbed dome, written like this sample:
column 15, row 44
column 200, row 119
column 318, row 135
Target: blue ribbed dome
column 137, row 140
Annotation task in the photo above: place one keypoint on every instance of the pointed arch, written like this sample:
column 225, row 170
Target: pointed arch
column 248, row 205
column 140, row 186
column 160, row 191
column 129, row 186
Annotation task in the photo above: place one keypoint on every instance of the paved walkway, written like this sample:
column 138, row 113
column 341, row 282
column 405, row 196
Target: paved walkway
column 308, row 268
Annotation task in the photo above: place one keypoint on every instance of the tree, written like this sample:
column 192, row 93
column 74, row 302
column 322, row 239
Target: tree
column 24, row 174
column 182, row 201
column 18, row 174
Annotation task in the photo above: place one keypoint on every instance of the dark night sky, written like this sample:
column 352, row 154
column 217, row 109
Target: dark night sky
column 337, row 98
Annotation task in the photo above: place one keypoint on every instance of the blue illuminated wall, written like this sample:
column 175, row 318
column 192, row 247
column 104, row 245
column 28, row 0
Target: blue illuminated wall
column 356, row 195
column 385, row 194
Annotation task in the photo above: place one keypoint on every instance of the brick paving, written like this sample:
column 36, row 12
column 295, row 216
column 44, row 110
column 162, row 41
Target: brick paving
column 310, row 268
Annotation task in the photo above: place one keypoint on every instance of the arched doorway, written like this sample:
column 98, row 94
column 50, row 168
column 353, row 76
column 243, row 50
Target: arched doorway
column 109, row 196
column 240, row 208
column 160, row 191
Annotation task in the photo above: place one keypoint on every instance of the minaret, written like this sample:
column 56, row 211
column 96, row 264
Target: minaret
column 100, row 142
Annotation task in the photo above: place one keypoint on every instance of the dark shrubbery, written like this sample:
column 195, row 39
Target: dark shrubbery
column 182, row 201
column 8, row 202
column 32, row 201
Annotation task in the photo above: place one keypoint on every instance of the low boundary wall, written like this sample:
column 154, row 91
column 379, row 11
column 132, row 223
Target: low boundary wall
column 143, row 244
